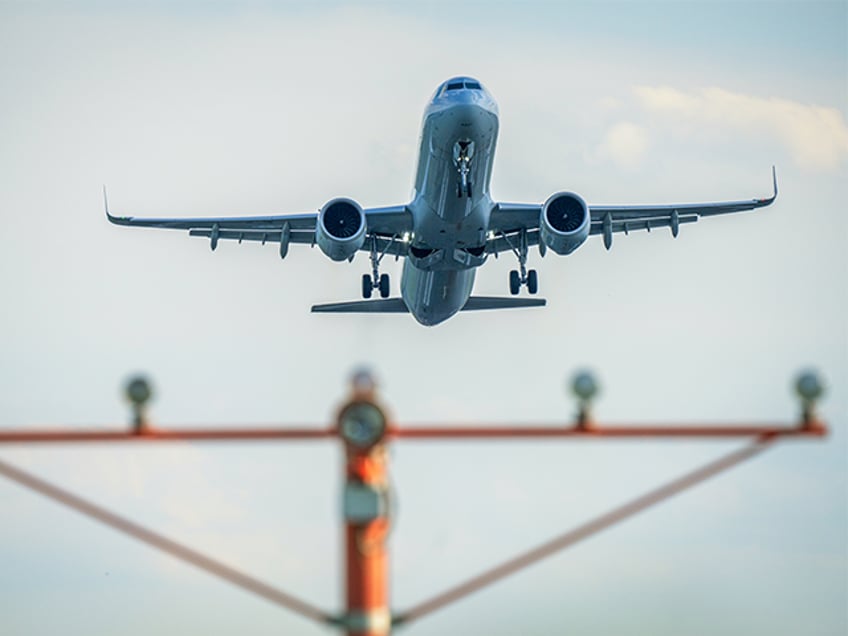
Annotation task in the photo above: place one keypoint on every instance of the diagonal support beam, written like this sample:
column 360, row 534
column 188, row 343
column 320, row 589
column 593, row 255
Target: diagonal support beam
column 584, row 531
column 159, row 542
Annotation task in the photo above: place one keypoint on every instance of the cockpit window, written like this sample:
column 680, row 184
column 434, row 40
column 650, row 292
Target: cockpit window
column 457, row 85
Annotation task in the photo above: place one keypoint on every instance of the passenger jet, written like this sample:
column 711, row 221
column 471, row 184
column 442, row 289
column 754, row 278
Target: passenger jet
column 452, row 224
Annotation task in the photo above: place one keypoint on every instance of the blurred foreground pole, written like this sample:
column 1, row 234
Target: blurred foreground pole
column 365, row 501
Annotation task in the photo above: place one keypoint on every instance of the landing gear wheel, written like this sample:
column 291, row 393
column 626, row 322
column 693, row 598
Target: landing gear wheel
column 532, row 281
column 468, row 189
column 384, row 286
column 367, row 286
column 514, row 282
column 458, row 190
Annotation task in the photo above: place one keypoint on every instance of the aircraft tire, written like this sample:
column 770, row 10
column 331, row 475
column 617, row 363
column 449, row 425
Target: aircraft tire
column 367, row 286
column 514, row 282
column 532, row 281
column 384, row 286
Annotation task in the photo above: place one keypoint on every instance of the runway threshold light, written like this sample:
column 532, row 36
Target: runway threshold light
column 363, row 382
column 809, row 388
column 585, row 387
column 138, row 392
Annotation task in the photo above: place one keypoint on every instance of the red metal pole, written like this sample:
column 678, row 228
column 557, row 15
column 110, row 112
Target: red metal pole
column 362, row 426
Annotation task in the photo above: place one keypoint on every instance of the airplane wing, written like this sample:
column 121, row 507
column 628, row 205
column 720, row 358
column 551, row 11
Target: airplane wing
column 509, row 219
column 388, row 224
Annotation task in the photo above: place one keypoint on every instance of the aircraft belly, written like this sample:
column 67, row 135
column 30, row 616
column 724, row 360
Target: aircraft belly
column 448, row 258
column 437, row 178
column 434, row 296
column 445, row 219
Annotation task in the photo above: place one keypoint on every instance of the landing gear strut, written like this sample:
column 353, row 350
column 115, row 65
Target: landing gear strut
column 375, row 280
column 462, row 153
column 522, row 277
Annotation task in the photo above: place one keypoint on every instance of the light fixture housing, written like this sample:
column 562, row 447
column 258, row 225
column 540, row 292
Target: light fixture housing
column 809, row 387
column 584, row 385
column 362, row 424
column 138, row 390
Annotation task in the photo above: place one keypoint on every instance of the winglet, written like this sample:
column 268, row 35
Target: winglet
column 117, row 220
column 769, row 200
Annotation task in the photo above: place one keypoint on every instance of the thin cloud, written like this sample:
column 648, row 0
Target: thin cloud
column 625, row 143
column 817, row 136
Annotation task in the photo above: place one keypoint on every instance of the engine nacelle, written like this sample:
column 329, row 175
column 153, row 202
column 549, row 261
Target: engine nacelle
column 340, row 230
column 565, row 222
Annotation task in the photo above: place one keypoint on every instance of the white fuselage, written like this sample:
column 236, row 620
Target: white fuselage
column 450, row 227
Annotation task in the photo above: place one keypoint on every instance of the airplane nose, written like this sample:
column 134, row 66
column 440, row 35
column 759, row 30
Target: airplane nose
column 478, row 102
column 471, row 113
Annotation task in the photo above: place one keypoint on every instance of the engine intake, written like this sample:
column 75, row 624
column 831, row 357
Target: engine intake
column 340, row 231
column 565, row 222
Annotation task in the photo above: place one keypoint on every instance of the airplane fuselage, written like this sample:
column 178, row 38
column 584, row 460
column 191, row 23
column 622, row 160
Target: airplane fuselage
column 451, row 203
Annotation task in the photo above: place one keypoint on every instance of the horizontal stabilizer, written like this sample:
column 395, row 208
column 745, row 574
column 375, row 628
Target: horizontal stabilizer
column 397, row 306
column 383, row 306
column 476, row 303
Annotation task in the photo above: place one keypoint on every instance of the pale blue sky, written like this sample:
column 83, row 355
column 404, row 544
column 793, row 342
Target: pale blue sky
column 213, row 109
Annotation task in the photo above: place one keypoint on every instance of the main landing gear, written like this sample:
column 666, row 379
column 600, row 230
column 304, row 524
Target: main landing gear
column 524, row 276
column 462, row 153
column 368, row 285
column 375, row 280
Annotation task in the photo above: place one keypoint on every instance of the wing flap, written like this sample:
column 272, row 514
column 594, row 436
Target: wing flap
column 265, row 236
column 508, row 242
column 628, row 226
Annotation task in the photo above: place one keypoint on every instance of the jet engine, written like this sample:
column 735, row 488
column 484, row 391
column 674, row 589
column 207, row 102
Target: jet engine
column 340, row 230
column 565, row 222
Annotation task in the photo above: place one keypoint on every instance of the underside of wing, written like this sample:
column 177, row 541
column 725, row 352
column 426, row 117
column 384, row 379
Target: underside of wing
column 610, row 219
column 385, row 227
column 513, row 222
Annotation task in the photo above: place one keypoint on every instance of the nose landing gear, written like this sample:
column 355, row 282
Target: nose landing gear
column 463, row 151
column 524, row 276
